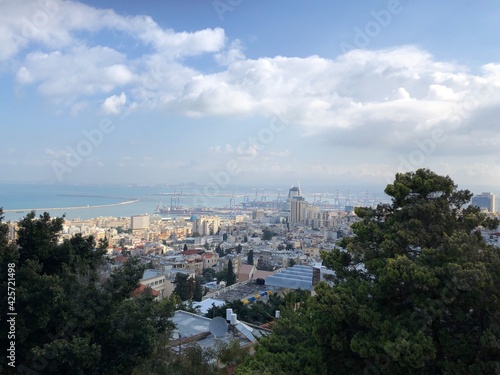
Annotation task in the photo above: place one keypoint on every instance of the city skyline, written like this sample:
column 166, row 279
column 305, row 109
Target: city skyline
column 233, row 92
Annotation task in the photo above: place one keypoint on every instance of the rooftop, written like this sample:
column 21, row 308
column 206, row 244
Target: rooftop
column 194, row 328
column 296, row 277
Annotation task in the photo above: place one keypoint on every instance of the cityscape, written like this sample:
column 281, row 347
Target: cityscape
column 249, row 187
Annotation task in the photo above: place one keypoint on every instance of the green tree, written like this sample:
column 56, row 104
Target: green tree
column 185, row 248
column 250, row 257
column 231, row 354
column 219, row 251
column 198, row 291
column 209, row 273
column 291, row 262
column 183, row 287
column 231, row 276
column 267, row 234
column 239, row 248
column 414, row 291
column 76, row 315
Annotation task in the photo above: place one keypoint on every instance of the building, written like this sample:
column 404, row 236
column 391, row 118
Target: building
column 139, row 222
column 486, row 201
column 297, row 210
column 294, row 192
column 155, row 280
column 206, row 225
column 296, row 277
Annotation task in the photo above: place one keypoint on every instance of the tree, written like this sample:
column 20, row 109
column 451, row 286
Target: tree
column 239, row 248
column 267, row 234
column 76, row 315
column 231, row 354
column 250, row 257
column 245, row 238
column 291, row 262
column 183, row 286
column 414, row 291
column 209, row 273
column 231, row 277
column 219, row 251
column 224, row 237
column 198, row 291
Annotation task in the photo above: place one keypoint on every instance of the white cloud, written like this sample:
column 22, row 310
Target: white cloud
column 369, row 99
column 232, row 54
column 114, row 104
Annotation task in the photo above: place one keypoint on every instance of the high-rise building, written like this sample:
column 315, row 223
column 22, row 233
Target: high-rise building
column 297, row 210
column 206, row 225
column 294, row 192
column 487, row 201
column 139, row 222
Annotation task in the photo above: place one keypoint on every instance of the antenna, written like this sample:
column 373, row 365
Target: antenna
column 218, row 326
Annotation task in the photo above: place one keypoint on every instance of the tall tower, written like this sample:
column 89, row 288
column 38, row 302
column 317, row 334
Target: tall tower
column 294, row 192
column 297, row 210
column 487, row 201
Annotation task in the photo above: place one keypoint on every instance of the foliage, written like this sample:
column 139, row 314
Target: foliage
column 259, row 312
column 415, row 291
column 231, row 354
column 184, row 286
column 197, row 291
column 190, row 358
column 291, row 349
column 219, row 251
column 250, row 257
column 209, row 273
column 231, row 276
column 267, row 234
column 75, row 315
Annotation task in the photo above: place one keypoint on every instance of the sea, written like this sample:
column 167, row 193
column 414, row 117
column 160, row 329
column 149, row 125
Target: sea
column 91, row 201
column 85, row 202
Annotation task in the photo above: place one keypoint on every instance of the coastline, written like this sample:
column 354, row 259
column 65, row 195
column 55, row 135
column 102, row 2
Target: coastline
column 19, row 210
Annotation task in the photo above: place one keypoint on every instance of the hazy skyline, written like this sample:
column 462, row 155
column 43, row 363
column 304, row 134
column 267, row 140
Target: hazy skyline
column 236, row 92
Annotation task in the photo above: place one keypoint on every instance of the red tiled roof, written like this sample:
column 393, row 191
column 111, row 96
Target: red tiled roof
column 142, row 288
column 190, row 252
column 245, row 269
column 120, row 259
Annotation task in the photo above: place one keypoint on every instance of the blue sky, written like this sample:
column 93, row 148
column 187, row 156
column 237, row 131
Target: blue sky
column 248, row 92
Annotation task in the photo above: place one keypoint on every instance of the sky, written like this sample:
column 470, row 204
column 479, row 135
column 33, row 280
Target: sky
column 248, row 91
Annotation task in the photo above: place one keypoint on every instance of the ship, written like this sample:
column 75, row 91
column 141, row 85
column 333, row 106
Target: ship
column 182, row 210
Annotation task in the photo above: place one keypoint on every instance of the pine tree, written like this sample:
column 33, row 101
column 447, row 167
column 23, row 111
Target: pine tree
column 250, row 257
column 415, row 291
column 231, row 277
